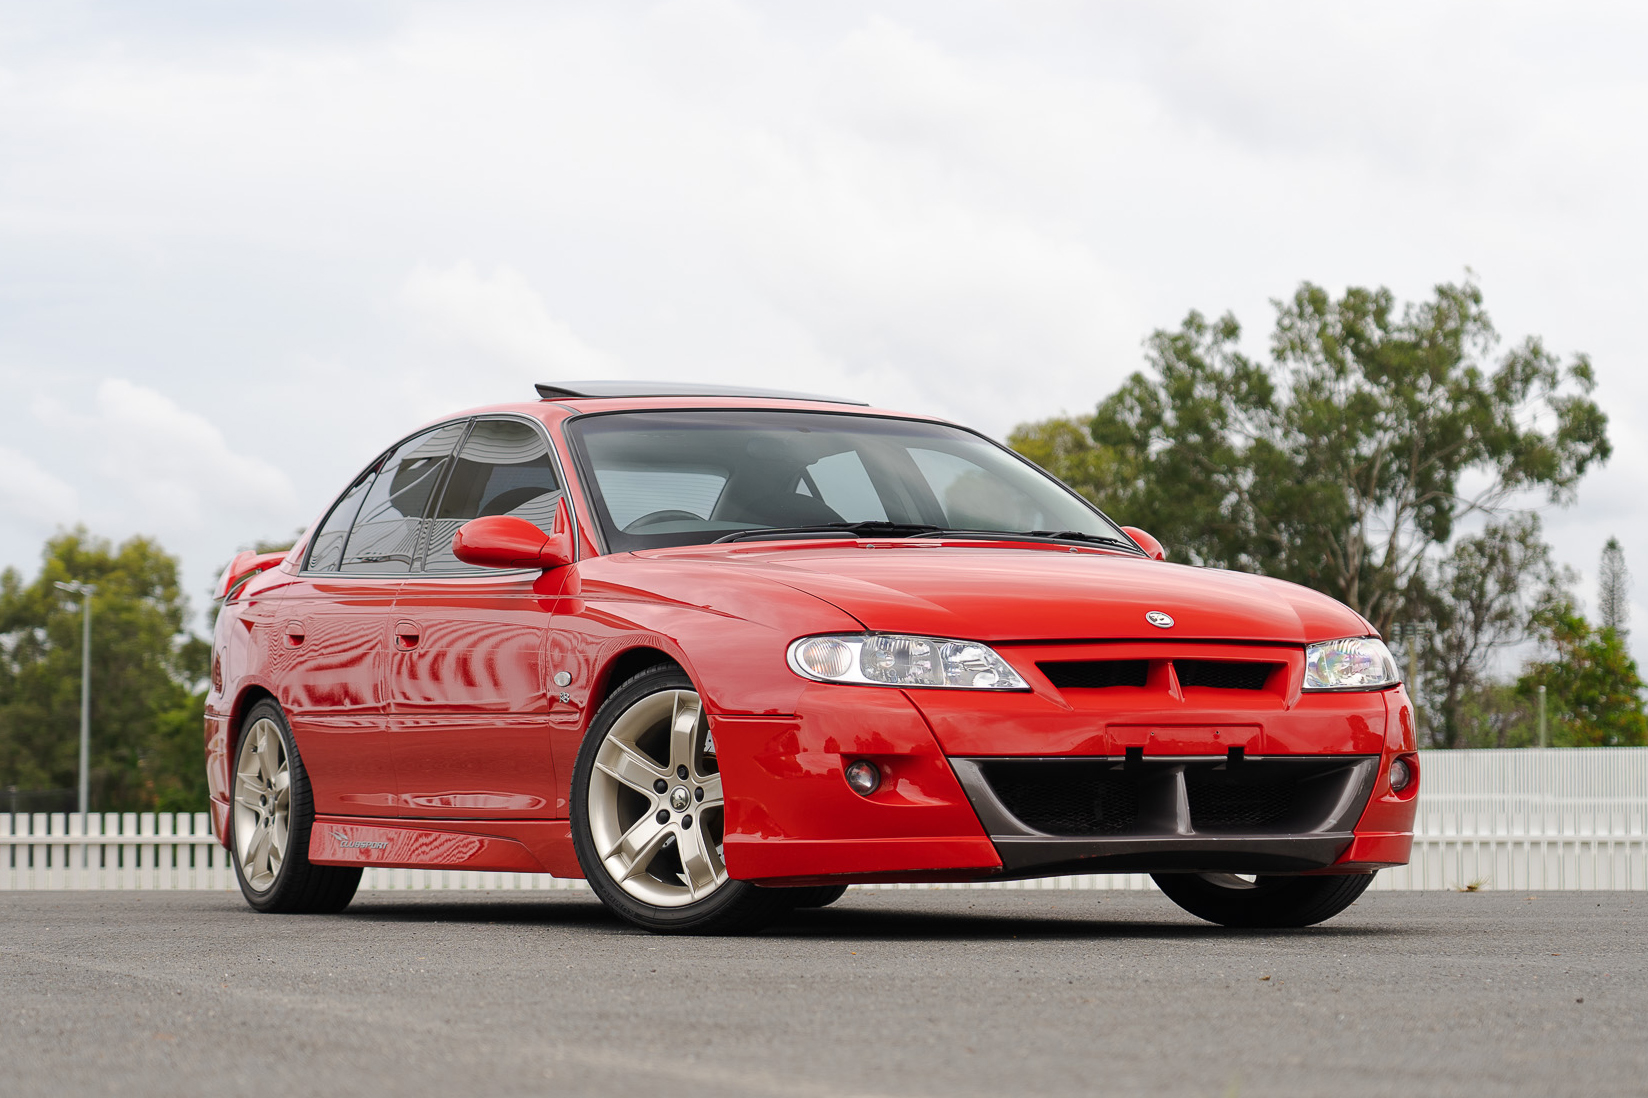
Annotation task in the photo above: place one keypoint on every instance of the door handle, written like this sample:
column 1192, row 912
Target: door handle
column 406, row 635
column 295, row 634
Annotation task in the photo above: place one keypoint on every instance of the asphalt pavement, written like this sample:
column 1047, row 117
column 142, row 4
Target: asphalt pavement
column 889, row 992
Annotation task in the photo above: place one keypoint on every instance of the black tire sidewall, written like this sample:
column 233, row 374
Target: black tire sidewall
column 1277, row 902
column 295, row 865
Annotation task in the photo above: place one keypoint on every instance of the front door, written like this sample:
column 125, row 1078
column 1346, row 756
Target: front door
column 468, row 681
column 332, row 632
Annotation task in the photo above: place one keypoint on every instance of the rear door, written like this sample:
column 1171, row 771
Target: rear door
column 468, row 682
column 333, row 631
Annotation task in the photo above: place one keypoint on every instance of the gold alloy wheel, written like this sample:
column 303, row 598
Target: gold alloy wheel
column 262, row 805
column 656, row 814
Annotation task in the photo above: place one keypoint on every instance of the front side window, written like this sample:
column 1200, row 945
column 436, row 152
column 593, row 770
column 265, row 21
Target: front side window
column 503, row 468
column 384, row 536
column 691, row 477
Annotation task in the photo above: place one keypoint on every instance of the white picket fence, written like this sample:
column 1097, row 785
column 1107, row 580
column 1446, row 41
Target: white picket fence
column 1518, row 820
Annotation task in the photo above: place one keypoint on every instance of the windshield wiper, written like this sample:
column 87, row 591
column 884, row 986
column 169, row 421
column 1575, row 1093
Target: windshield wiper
column 1034, row 535
column 872, row 527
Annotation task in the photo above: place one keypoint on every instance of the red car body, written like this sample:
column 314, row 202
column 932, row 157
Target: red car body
column 429, row 717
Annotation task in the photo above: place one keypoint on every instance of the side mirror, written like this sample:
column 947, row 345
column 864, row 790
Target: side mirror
column 1150, row 545
column 504, row 541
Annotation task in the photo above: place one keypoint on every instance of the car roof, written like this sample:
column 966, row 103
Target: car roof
column 556, row 408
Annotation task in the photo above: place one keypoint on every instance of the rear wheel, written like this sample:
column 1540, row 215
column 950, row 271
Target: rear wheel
column 1242, row 901
column 648, row 816
column 269, row 821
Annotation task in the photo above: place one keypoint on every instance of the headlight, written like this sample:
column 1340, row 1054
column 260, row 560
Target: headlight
column 884, row 659
column 1355, row 663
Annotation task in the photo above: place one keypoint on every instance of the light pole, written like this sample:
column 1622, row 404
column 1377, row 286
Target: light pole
column 1542, row 740
column 85, row 591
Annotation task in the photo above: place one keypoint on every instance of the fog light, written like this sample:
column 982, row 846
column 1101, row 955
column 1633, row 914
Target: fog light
column 1401, row 775
column 864, row 777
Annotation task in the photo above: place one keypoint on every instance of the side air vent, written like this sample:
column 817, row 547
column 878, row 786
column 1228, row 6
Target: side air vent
column 1224, row 674
column 1095, row 674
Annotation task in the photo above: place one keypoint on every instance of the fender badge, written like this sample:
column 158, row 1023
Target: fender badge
column 1159, row 619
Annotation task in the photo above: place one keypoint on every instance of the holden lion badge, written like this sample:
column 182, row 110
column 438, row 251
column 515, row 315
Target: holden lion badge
column 1159, row 619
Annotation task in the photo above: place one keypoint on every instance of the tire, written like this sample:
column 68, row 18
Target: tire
column 271, row 811
column 811, row 896
column 648, row 814
column 1229, row 900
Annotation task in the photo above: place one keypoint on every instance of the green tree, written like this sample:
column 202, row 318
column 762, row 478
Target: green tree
column 148, row 677
column 1593, row 691
column 1482, row 596
column 1341, row 462
column 1614, row 589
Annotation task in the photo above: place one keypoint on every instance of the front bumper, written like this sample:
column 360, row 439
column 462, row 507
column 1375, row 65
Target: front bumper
column 1257, row 784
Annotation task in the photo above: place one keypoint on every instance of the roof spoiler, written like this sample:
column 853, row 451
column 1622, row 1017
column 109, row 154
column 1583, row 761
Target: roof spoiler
column 562, row 390
column 245, row 565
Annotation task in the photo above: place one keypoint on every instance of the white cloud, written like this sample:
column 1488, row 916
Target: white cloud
column 503, row 317
column 31, row 496
column 149, row 465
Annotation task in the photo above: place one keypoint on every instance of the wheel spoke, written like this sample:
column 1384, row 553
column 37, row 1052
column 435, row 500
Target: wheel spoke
column 623, row 763
column 711, row 785
column 258, row 857
column 684, row 728
column 264, row 750
column 699, row 861
column 636, row 847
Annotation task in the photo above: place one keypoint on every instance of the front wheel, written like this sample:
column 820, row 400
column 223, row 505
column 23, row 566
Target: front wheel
column 1240, row 901
column 648, row 816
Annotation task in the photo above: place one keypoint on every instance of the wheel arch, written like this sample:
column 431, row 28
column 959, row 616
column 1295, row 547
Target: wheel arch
column 625, row 665
column 224, row 761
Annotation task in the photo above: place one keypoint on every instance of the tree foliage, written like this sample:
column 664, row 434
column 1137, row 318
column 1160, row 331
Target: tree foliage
column 1480, row 598
column 1341, row 462
column 147, row 677
column 1593, row 691
column 1614, row 589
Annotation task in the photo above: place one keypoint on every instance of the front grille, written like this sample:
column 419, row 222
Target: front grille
column 1095, row 674
column 1224, row 674
column 1221, row 800
column 1273, row 795
column 1075, row 800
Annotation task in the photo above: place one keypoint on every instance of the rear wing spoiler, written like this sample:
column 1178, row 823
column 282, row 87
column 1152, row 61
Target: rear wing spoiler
column 245, row 565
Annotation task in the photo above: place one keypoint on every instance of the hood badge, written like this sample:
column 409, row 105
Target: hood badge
column 1159, row 619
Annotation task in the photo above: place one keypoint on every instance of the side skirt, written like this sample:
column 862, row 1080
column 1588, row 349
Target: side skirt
column 505, row 846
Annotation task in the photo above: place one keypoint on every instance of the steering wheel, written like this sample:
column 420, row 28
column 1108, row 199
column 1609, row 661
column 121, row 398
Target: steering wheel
column 661, row 516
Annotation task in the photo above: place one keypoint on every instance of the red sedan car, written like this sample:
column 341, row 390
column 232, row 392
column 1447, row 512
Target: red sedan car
column 724, row 652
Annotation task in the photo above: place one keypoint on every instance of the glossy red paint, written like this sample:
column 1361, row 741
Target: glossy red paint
column 1152, row 548
column 245, row 565
column 502, row 541
column 430, row 718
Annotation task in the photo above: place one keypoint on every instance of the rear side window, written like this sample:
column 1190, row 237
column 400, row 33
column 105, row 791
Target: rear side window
column 384, row 535
column 503, row 468
column 326, row 550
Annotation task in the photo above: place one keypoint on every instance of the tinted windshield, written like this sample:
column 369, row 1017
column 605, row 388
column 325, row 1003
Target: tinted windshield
column 680, row 478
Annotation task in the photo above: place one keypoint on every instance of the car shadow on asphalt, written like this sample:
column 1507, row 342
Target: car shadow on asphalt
column 883, row 923
column 850, row 925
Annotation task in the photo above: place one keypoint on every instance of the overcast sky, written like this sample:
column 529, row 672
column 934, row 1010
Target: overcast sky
column 245, row 245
